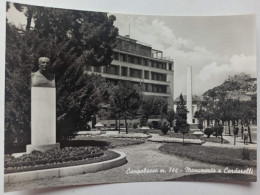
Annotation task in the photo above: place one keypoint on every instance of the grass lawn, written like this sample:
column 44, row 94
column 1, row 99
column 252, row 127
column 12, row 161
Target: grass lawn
column 216, row 177
column 211, row 155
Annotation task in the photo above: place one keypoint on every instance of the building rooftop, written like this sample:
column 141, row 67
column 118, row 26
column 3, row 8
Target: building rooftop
column 127, row 38
column 134, row 46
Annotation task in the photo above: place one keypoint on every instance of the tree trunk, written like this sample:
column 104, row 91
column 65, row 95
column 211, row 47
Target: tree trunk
column 234, row 139
column 223, row 125
column 29, row 20
column 126, row 130
column 229, row 127
column 242, row 130
column 119, row 125
column 182, row 139
column 249, row 132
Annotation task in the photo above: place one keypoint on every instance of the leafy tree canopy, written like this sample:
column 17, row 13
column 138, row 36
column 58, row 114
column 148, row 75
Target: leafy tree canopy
column 72, row 40
column 125, row 100
column 152, row 105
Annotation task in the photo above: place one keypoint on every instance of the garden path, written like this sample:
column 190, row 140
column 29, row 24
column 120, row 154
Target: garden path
column 239, row 143
column 139, row 157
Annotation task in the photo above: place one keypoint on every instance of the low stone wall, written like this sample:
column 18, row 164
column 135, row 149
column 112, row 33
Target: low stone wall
column 65, row 171
column 130, row 136
column 89, row 133
column 176, row 140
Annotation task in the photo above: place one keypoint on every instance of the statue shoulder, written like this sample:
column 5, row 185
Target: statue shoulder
column 40, row 80
column 37, row 73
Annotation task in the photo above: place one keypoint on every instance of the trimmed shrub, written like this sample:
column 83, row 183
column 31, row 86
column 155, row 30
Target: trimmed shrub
column 176, row 129
column 149, row 125
column 156, row 124
column 143, row 121
column 135, row 125
column 165, row 128
column 208, row 131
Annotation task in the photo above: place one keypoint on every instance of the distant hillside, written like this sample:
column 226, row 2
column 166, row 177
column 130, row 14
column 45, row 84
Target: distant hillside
column 243, row 88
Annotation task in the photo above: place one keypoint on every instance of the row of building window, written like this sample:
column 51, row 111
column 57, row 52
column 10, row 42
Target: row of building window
column 135, row 73
column 146, row 87
column 141, row 61
column 155, row 88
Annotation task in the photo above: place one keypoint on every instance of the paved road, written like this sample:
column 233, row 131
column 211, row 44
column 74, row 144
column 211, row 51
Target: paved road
column 138, row 156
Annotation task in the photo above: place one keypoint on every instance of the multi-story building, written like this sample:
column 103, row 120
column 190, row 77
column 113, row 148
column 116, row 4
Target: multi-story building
column 142, row 65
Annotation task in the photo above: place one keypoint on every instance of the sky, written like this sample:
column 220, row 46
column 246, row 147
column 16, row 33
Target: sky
column 215, row 46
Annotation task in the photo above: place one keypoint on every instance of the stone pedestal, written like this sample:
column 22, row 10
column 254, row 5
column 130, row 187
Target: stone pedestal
column 43, row 119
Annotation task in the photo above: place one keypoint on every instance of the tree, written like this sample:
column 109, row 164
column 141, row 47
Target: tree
column 84, row 102
column 152, row 105
column 181, row 117
column 170, row 116
column 72, row 40
column 200, row 116
column 249, row 113
column 17, row 91
column 125, row 99
column 78, row 39
column 216, row 107
column 235, row 132
column 208, row 131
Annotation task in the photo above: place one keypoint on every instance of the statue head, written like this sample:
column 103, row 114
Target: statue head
column 44, row 64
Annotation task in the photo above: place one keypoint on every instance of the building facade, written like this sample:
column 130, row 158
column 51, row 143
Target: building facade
column 142, row 65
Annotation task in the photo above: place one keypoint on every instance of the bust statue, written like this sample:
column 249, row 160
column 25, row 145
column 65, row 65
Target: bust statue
column 43, row 77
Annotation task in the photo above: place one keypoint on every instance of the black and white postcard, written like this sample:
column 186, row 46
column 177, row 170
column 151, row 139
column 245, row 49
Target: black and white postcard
column 100, row 97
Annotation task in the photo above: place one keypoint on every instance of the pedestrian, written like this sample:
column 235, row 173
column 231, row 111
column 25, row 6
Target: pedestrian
column 245, row 137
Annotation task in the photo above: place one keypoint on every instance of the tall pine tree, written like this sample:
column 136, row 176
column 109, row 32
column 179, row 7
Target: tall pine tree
column 181, row 117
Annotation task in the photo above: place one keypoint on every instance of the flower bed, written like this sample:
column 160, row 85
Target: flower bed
column 50, row 157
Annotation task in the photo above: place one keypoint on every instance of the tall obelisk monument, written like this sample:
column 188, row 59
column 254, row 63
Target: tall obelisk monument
column 189, row 95
column 43, row 109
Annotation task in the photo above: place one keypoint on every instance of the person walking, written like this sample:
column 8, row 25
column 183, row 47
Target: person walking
column 245, row 137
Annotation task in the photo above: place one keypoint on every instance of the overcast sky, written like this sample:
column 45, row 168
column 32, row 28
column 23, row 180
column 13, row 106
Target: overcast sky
column 215, row 47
